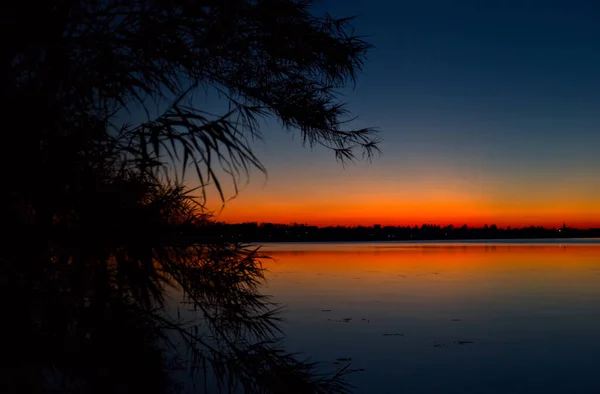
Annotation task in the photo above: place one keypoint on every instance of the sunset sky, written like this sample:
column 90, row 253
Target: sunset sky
column 489, row 111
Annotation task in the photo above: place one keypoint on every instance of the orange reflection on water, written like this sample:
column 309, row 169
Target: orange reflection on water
column 484, row 271
column 423, row 257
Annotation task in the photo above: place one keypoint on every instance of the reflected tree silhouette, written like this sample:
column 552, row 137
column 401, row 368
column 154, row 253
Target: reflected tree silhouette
column 101, row 226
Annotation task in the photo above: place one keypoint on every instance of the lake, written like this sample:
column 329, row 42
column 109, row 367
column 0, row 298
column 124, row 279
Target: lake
column 472, row 317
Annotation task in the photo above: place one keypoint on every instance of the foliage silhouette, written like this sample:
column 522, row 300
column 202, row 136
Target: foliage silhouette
column 101, row 226
column 269, row 58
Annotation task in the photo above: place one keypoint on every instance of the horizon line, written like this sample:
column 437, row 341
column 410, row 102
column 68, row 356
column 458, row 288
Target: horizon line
column 446, row 226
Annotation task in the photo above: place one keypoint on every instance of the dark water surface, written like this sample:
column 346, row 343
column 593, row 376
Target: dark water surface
column 472, row 317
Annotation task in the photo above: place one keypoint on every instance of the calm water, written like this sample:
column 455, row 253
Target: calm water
column 530, row 312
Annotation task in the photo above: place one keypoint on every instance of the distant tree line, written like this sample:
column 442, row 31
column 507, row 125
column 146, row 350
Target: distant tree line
column 272, row 232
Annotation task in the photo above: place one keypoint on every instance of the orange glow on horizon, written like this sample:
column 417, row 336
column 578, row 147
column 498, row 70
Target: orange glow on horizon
column 410, row 213
column 355, row 198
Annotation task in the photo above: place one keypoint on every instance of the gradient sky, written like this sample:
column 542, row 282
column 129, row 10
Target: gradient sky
column 489, row 110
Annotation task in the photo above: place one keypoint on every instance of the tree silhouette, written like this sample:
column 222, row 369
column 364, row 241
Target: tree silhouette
column 100, row 225
column 269, row 58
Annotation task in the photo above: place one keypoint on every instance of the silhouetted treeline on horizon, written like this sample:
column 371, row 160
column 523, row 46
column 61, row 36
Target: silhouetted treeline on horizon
column 272, row 232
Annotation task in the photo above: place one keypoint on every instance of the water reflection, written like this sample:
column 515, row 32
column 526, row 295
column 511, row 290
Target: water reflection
column 445, row 318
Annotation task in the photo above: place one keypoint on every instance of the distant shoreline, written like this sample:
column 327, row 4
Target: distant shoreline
column 277, row 233
column 505, row 241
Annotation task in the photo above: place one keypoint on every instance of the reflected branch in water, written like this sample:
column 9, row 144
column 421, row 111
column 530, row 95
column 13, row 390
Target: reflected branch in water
column 93, row 320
